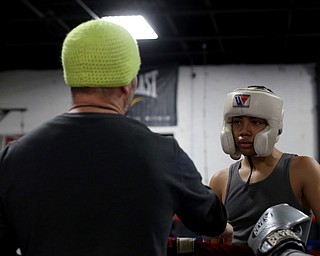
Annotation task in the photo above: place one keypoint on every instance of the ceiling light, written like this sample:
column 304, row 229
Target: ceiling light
column 137, row 26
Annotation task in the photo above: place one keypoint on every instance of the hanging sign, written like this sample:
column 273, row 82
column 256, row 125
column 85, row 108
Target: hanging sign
column 155, row 98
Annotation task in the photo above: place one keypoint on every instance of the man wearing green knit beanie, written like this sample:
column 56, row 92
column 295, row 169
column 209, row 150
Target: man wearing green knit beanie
column 100, row 54
column 92, row 181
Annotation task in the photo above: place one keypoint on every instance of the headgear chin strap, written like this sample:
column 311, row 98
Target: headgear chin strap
column 254, row 101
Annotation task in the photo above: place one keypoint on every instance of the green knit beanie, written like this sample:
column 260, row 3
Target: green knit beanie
column 98, row 53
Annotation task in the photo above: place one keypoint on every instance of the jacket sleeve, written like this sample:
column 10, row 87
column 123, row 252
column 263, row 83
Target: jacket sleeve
column 199, row 209
column 7, row 246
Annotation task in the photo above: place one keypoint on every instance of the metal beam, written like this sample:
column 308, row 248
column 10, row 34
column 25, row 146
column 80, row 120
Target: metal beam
column 5, row 111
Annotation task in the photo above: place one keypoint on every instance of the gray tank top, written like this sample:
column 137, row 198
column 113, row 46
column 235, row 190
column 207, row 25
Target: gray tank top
column 245, row 206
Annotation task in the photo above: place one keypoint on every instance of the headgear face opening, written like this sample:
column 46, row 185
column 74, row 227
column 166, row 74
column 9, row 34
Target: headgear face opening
column 254, row 101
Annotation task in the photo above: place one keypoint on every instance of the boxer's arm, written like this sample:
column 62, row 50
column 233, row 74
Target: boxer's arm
column 308, row 172
column 218, row 183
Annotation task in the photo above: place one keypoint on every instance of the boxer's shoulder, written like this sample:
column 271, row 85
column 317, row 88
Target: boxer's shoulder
column 304, row 162
column 218, row 182
column 304, row 169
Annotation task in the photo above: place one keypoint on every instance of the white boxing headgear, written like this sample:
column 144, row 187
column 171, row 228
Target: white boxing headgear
column 254, row 101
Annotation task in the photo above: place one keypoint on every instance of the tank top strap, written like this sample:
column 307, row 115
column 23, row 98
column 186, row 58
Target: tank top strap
column 283, row 166
column 233, row 169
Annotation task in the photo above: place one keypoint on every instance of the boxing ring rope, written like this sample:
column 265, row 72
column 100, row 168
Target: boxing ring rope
column 188, row 246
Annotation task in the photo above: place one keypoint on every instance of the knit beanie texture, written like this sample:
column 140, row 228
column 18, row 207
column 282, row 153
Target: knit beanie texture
column 98, row 53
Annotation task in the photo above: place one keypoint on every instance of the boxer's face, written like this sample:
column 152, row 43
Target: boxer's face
column 244, row 129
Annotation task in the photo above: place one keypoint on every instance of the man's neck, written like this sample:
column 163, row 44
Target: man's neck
column 96, row 108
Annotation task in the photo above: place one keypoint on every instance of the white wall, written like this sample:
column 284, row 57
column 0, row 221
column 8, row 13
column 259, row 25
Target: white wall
column 201, row 93
column 43, row 93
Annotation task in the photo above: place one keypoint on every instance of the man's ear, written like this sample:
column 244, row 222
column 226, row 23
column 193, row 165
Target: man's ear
column 133, row 85
column 125, row 89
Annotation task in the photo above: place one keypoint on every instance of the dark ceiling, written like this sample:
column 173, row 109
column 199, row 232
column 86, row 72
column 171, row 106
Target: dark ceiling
column 191, row 32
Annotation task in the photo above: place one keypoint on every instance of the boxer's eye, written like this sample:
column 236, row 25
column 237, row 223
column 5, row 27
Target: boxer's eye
column 236, row 121
column 258, row 121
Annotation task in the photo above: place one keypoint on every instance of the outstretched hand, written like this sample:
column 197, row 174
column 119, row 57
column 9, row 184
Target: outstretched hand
column 226, row 237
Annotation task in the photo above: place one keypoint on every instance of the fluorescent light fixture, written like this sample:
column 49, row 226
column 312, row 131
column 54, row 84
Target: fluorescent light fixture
column 137, row 26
